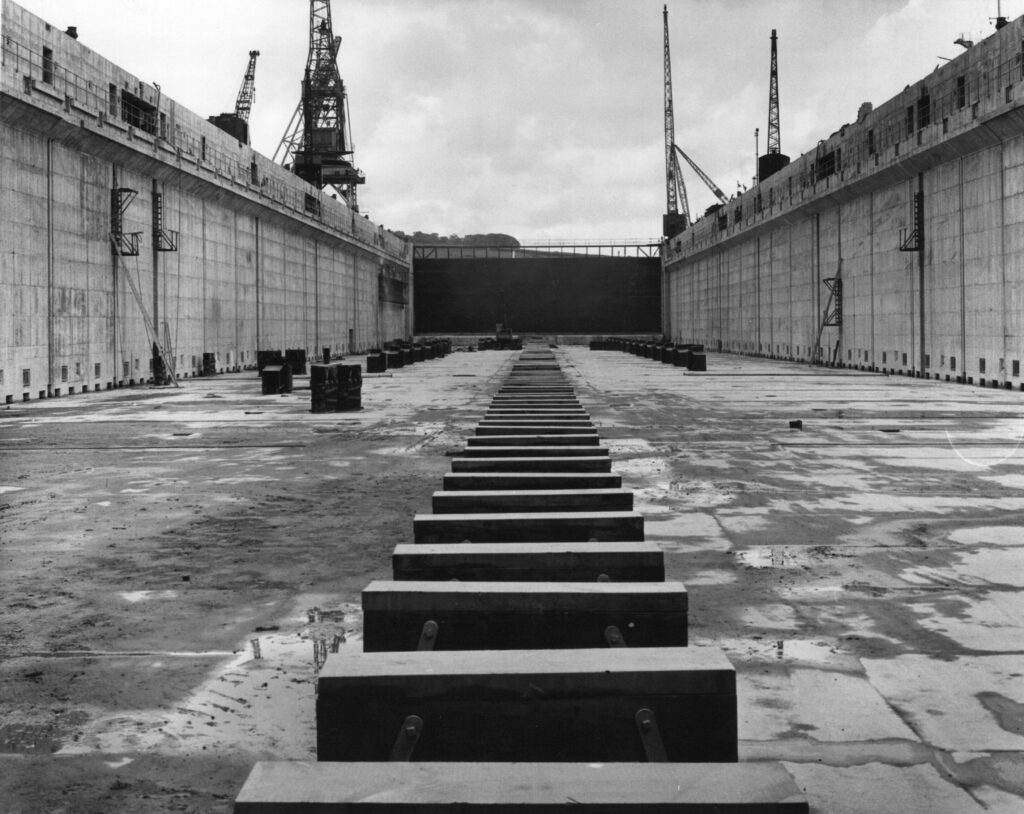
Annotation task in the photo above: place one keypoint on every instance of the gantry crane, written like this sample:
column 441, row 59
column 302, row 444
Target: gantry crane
column 237, row 123
column 317, row 144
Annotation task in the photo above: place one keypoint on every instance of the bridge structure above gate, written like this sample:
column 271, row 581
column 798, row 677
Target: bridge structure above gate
column 643, row 247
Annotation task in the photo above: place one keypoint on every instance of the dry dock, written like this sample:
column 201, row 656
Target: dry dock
column 862, row 573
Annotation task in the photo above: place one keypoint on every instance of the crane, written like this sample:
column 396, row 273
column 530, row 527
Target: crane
column 774, row 139
column 237, row 122
column 246, row 94
column 703, row 175
column 317, row 144
column 677, row 207
column 773, row 160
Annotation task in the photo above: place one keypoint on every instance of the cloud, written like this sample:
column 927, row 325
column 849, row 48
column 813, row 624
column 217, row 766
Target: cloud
column 542, row 118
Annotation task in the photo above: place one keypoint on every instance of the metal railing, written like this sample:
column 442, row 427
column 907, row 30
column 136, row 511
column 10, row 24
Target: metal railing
column 632, row 247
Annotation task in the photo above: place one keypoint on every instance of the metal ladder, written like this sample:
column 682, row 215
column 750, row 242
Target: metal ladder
column 832, row 317
column 154, row 337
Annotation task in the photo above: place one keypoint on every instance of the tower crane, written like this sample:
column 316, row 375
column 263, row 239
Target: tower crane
column 317, row 144
column 246, row 93
column 677, row 207
column 773, row 160
column 237, row 123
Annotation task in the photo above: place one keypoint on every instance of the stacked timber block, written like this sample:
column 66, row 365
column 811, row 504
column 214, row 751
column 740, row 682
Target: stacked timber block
column 275, row 379
column 296, row 360
column 335, row 387
column 530, row 636
column 688, row 355
column 400, row 353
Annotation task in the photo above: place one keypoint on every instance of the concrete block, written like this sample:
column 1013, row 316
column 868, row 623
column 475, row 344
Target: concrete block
column 528, row 479
column 522, row 615
column 517, row 464
column 532, row 500
column 305, row 787
column 533, row 439
column 529, row 527
column 529, row 562
column 536, row 705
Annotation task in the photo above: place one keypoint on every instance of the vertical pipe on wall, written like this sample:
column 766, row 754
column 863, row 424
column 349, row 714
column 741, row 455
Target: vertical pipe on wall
column 1004, row 295
column 259, row 283
column 316, row 296
column 816, row 272
column 871, row 271
column 962, row 375
column 920, row 276
column 305, row 297
column 50, row 316
column 202, row 304
column 667, row 328
column 911, row 300
column 237, row 302
column 838, row 274
column 757, row 285
column 115, row 301
column 156, row 271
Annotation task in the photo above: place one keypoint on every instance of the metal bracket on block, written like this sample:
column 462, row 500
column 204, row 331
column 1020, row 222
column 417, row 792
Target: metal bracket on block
column 408, row 737
column 650, row 737
column 613, row 636
column 428, row 636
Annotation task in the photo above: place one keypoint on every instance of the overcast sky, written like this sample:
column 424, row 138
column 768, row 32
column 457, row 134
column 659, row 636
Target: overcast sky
column 538, row 118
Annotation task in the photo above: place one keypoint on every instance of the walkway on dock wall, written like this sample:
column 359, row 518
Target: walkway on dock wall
column 230, row 253
column 912, row 215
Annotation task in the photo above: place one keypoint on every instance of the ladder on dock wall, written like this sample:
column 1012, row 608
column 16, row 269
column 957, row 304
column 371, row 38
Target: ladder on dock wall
column 158, row 342
column 832, row 316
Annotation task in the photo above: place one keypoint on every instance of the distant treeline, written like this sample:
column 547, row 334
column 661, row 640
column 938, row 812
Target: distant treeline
column 434, row 239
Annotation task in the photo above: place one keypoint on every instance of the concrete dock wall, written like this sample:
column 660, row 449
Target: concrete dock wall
column 751, row 278
column 261, row 260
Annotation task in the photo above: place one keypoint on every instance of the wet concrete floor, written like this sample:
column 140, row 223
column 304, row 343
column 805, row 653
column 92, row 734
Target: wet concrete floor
column 865, row 573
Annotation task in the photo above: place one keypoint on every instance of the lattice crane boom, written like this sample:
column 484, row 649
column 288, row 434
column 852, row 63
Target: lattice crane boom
column 703, row 176
column 247, row 93
column 677, row 207
column 774, row 141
